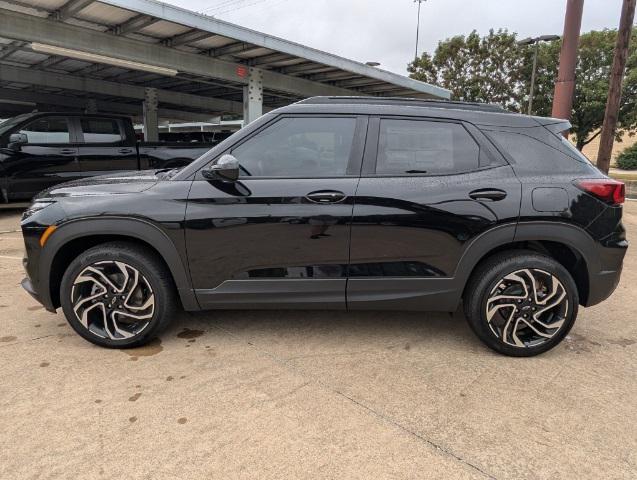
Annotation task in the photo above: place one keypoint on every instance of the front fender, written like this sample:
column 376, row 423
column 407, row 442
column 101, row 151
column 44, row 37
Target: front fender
column 138, row 229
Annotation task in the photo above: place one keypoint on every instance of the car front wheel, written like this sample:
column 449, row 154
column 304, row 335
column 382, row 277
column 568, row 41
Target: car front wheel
column 118, row 295
column 521, row 303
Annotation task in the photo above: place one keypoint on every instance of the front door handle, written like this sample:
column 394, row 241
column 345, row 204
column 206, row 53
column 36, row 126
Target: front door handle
column 126, row 150
column 68, row 151
column 326, row 196
column 488, row 194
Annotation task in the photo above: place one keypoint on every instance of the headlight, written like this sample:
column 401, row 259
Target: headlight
column 35, row 207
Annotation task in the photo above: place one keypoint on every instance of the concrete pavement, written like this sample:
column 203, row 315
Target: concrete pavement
column 314, row 395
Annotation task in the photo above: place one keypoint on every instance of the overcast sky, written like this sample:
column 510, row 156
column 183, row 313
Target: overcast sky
column 385, row 30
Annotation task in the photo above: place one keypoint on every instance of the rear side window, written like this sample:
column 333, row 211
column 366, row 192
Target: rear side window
column 47, row 130
column 416, row 146
column 100, row 130
column 530, row 154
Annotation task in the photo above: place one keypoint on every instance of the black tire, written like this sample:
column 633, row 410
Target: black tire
column 158, row 285
column 488, row 280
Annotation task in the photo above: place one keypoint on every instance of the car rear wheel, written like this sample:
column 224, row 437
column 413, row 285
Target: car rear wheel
column 521, row 303
column 118, row 295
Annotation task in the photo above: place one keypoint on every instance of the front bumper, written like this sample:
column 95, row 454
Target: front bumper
column 29, row 288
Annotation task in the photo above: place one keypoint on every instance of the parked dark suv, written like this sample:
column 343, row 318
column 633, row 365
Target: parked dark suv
column 344, row 204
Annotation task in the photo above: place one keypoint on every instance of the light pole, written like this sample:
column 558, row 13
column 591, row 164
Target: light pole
column 419, row 2
column 535, row 41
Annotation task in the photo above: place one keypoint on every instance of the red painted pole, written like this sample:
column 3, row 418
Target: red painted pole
column 565, row 86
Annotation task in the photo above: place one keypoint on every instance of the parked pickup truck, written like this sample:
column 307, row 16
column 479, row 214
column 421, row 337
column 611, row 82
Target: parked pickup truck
column 39, row 150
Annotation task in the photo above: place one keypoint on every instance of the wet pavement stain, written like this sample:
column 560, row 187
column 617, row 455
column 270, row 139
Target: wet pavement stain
column 8, row 339
column 188, row 333
column 98, row 400
column 132, row 419
column 37, row 325
column 192, row 340
column 62, row 324
column 33, row 309
column 182, row 420
column 148, row 350
column 169, row 378
column 45, row 364
column 135, row 397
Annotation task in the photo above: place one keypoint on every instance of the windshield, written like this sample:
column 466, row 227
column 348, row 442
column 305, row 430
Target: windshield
column 9, row 123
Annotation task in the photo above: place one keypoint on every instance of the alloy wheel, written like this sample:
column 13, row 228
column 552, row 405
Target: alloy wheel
column 527, row 308
column 113, row 300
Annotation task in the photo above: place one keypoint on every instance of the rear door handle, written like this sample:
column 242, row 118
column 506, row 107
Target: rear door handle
column 488, row 194
column 126, row 150
column 326, row 196
column 68, row 151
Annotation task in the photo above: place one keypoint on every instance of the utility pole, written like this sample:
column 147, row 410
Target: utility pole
column 419, row 2
column 565, row 86
column 615, row 90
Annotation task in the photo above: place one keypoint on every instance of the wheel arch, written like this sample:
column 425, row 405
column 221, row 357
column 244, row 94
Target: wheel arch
column 569, row 245
column 77, row 236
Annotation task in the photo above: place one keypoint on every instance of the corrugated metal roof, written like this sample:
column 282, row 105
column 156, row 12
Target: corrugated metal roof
column 176, row 28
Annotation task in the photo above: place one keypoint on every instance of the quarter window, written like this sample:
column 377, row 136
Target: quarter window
column 98, row 130
column 415, row 146
column 47, row 130
column 299, row 147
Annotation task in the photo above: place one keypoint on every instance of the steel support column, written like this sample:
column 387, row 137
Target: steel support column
column 151, row 119
column 253, row 96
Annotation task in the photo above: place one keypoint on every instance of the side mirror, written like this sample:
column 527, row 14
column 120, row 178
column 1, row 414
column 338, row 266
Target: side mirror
column 16, row 140
column 226, row 169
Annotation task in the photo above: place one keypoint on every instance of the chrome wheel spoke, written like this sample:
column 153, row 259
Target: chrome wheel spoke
column 527, row 308
column 112, row 299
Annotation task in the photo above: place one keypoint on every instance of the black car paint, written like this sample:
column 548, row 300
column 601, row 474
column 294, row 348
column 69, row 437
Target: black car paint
column 31, row 168
column 393, row 242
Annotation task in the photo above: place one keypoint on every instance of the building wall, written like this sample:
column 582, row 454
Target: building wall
column 592, row 148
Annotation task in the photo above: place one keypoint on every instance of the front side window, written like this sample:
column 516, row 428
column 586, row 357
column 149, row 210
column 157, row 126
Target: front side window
column 47, row 130
column 424, row 147
column 100, row 130
column 299, row 147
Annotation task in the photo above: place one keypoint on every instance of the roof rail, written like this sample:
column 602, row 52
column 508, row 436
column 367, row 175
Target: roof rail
column 412, row 102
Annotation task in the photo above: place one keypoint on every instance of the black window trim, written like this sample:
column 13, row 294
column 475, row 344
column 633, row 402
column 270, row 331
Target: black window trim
column 69, row 121
column 487, row 157
column 356, row 154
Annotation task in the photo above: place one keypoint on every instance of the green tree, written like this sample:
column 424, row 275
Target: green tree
column 494, row 69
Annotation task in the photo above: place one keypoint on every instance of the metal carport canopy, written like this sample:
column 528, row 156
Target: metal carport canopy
column 214, row 59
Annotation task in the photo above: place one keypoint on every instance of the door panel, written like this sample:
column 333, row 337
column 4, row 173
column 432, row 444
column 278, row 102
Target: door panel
column 279, row 236
column 268, row 233
column 409, row 231
column 104, row 148
column 49, row 158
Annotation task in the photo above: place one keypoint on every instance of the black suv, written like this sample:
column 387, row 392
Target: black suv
column 346, row 204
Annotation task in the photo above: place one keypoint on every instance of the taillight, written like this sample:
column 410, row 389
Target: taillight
column 607, row 190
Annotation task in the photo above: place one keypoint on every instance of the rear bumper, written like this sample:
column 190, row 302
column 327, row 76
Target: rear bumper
column 602, row 283
column 30, row 289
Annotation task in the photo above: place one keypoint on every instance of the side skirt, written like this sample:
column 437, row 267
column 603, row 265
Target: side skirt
column 316, row 294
